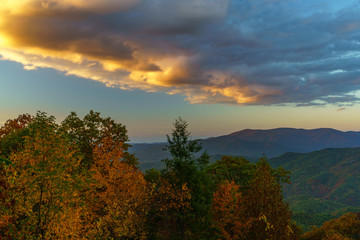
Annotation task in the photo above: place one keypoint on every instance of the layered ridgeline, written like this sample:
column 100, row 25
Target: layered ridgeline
column 255, row 143
column 325, row 184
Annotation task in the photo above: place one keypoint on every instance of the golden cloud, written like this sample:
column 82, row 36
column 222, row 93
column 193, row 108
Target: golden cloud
column 28, row 7
column 68, row 36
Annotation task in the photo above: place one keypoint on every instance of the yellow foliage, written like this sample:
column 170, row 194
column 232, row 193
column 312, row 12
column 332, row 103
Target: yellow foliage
column 346, row 227
column 42, row 181
column 119, row 197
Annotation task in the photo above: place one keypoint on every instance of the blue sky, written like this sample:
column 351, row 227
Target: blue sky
column 222, row 65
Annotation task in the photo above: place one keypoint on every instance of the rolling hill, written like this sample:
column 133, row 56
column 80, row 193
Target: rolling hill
column 325, row 184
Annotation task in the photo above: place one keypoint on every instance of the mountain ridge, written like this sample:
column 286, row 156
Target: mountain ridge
column 252, row 143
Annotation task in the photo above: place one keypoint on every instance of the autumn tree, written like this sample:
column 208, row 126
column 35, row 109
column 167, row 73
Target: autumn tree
column 6, row 219
column 166, row 202
column 346, row 227
column 70, row 181
column 269, row 215
column 119, row 196
column 11, row 140
column 248, row 201
column 12, row 133
column 228, row 212
column 43, row 182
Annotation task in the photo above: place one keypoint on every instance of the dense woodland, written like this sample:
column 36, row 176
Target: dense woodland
column 77, row 180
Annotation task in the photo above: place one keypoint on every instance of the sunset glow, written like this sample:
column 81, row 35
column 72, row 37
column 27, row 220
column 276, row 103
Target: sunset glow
column 244, row 54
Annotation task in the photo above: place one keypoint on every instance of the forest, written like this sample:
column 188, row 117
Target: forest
column 77, row 180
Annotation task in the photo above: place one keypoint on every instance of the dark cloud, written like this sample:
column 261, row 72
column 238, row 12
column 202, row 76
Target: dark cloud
column 212, row 51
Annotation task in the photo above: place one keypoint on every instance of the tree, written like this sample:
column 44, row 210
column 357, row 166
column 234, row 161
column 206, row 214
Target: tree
column 232, row 168
column 48, row 190
column 183, row 149
column 248, row 201
column 167, row 202
column 119, row 196
column 92, row 129
column 346, row 227
column 228, row 212
column 43, row 182
column 186, row 167
column 12, row 133
column 6, row 220
column 270, row 216
column 241, row 171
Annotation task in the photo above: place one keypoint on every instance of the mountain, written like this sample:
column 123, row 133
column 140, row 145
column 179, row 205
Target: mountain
column 325, row 184
column 325, row 171
column 254, row 143
column 149, row 154
column 302, row 140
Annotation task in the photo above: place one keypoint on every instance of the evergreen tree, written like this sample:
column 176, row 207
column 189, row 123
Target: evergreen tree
column 186, row 166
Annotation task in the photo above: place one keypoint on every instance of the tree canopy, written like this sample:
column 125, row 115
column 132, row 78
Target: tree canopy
column 77, row 180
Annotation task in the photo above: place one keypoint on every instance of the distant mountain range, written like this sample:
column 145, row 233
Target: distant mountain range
column 254, row 143
column 324, row 165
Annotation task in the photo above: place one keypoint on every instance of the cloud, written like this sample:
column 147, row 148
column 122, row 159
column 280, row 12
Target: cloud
column 211, row 51
column 21, row 7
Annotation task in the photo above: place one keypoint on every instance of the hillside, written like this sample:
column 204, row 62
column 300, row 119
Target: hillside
column 324, row 183
column 254, row 143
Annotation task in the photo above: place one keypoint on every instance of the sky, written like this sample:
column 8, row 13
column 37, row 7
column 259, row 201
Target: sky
column 223, row 65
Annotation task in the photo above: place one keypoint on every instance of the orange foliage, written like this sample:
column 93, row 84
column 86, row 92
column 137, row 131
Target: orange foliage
column 18, row 123
column 227, row 210
column 119, row 197
column 168, row 197
column 169, row 203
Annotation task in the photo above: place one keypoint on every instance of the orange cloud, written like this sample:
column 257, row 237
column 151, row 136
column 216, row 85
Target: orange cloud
column 28, row 7
column 70, row 36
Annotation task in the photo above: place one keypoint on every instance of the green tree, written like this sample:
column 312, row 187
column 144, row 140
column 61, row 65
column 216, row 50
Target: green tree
column 93, row 128
column 232, row 168
column 241, row 171
column 186, row 166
